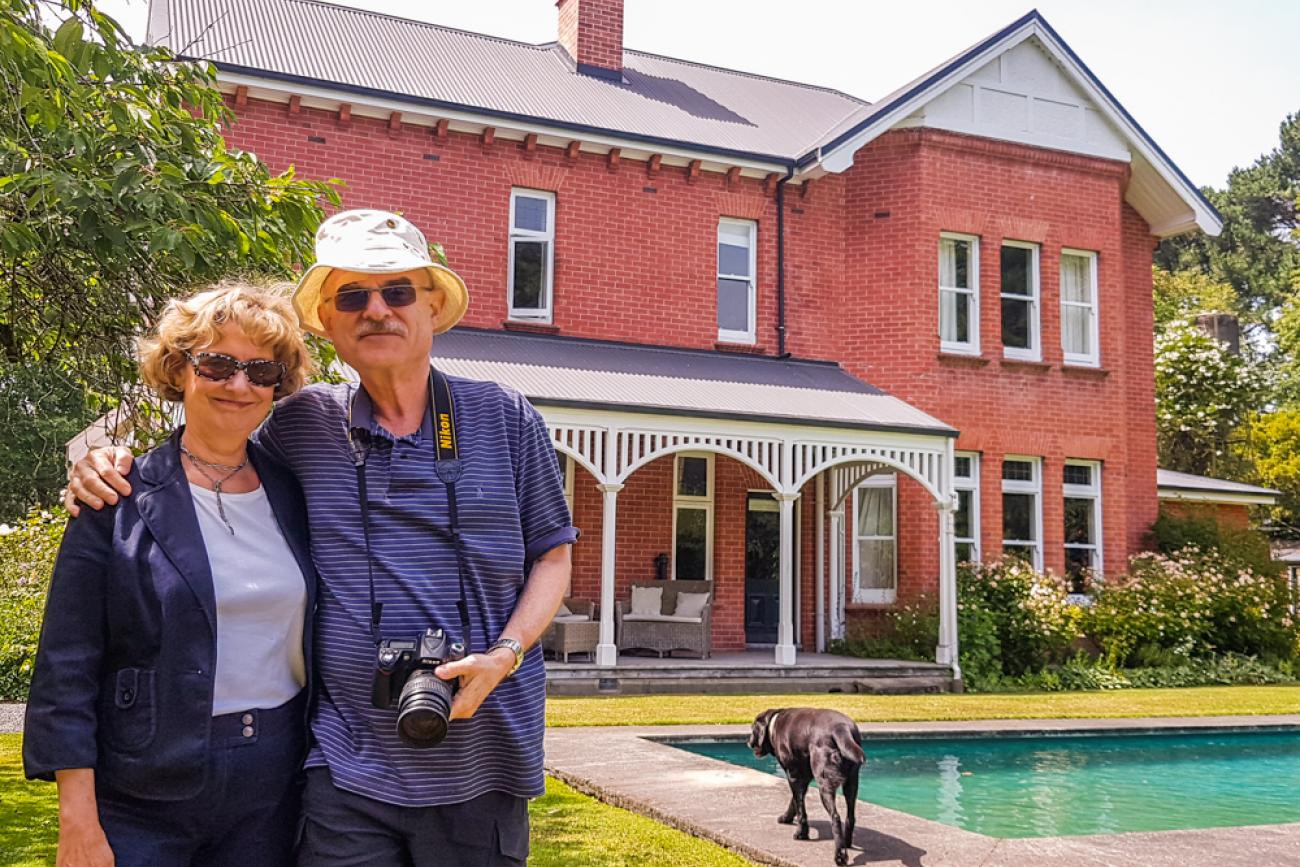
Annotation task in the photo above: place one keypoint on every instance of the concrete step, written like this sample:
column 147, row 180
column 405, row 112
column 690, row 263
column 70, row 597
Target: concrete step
column 903, row 685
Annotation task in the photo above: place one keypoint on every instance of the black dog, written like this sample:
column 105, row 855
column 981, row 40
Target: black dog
column 814, row 744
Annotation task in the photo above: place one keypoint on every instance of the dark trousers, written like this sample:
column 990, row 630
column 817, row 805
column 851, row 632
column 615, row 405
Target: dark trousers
column 247, row 813
column 343, row 829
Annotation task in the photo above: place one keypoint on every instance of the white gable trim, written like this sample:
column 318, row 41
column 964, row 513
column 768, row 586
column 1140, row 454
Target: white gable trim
column 1158, row 190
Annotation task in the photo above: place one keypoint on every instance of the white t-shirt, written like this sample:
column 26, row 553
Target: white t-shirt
column 261, row 602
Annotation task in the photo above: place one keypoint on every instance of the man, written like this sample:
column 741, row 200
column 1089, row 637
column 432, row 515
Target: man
column 371, row 798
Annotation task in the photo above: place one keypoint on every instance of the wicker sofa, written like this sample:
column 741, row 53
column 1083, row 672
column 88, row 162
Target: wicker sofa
column 666, row 635
column 577, row 633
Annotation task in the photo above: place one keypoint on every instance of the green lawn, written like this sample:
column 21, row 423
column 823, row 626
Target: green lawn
column 696, row 709
column 569, row 829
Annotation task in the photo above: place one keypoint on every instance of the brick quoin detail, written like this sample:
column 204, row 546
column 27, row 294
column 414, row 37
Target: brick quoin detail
column 861, row 289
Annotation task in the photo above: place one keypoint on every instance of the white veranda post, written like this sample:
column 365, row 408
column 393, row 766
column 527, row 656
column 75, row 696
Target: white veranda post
column 785, row 652
column 606, row 650
column 946, row 652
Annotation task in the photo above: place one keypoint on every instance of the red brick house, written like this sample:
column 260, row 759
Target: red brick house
column 813, row 350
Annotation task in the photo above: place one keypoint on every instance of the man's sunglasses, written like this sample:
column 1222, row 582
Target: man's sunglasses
column 219, row 368
column 356, row 300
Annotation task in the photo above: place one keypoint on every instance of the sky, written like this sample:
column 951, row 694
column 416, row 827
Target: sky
column 1209, row 80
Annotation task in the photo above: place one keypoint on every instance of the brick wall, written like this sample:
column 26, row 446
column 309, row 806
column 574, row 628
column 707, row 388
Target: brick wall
column 635, row 261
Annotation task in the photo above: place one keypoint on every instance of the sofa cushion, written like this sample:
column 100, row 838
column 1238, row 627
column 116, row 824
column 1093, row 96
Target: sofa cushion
column 691, row 604
column 571, row 618
column 660, row 618
column 564, row 611
column 647, row 600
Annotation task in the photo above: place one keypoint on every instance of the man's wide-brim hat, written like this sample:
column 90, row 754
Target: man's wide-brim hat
column 375, row 242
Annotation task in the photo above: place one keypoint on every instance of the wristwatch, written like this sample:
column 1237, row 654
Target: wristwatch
column 514, row 647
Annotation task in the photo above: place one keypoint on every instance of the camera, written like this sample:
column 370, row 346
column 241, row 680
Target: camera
column 404, row 675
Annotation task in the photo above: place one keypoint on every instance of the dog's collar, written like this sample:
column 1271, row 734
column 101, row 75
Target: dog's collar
column 771, row 721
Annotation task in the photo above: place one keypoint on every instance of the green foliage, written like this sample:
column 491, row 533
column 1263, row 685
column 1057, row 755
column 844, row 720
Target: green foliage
column 1081, row 673
column 909, row 630
column 1245, row 548
column 1203, row 392
column 1032, row 620
column 41, row 408
column 1258, row 252
column 117, row 192
column 1272, row 445
column 1191, row 604
column 27, row 553
column 1180, row 295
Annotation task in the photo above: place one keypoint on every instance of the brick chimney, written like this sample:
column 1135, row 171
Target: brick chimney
column 591, row 31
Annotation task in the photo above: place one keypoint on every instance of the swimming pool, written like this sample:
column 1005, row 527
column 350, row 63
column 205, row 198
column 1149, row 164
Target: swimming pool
column 1047, row 785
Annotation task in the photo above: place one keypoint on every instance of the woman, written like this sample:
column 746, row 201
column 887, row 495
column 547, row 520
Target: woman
column 168, row 699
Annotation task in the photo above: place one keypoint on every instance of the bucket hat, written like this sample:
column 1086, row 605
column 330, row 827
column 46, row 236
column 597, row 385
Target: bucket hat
column 374, row 242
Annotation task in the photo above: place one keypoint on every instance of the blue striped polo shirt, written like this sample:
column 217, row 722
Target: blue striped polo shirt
column 511, row 507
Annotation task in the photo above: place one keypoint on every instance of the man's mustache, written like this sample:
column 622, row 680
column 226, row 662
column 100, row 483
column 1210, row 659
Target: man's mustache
column 387, row 326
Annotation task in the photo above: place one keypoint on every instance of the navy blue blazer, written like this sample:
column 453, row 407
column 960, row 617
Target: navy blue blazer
column 124, row 675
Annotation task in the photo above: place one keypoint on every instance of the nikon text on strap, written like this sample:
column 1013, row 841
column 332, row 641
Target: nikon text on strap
column 448, row 467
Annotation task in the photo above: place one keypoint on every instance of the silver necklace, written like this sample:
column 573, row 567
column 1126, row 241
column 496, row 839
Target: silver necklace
column 230, row 471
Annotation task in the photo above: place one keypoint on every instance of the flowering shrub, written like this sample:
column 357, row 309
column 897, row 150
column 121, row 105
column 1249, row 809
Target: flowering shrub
column 1191, row 604
column 27, row 552
column 1033, row 622
column 910, row 631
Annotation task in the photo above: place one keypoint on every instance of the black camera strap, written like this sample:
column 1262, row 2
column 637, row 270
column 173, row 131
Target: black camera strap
column 449, row 469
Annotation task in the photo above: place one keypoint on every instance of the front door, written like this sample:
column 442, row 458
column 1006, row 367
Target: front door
column 762, row 568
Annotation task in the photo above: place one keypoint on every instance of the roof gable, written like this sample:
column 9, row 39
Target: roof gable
column 1023, row 96
column 1015, row 84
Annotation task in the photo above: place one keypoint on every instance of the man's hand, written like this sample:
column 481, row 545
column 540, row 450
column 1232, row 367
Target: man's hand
column 98, row 479
column 479, row 674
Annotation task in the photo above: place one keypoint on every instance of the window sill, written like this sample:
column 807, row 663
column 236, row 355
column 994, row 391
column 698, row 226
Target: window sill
column 869, row 606
column 530, row 327
column 1085, row 371
column 961, row 358
column 747, row 348
column 1026, row 364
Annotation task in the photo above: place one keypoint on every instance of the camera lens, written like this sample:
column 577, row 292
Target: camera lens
column 423, row 709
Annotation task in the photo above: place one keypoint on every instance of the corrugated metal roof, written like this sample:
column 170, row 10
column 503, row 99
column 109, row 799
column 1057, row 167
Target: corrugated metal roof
column 1173, row 480
column 671, row 99
column 587, row 373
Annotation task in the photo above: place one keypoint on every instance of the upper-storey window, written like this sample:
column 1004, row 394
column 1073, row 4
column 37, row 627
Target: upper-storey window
column 959, row 299
column 1079, row 307
column 736, row 288
column 1020, row 301
column 532, row 254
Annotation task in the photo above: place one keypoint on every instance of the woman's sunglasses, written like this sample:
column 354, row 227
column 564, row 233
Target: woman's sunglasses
column 219, row 368
column 356, row 300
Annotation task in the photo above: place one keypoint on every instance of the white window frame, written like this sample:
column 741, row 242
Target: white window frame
column 970, row 483
column 971, row 346
column 1088, row 359
column 545, row 311
column 729, row 335
column 1035, row 350
column 875, row 596
column 1035, row 487
column 1086, row 492
column 694, row 502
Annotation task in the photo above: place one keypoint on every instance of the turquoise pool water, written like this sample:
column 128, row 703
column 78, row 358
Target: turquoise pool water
column 1050, row 785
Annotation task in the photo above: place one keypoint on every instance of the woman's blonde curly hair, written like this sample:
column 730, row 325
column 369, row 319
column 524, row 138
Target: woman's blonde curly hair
column 191, row 324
